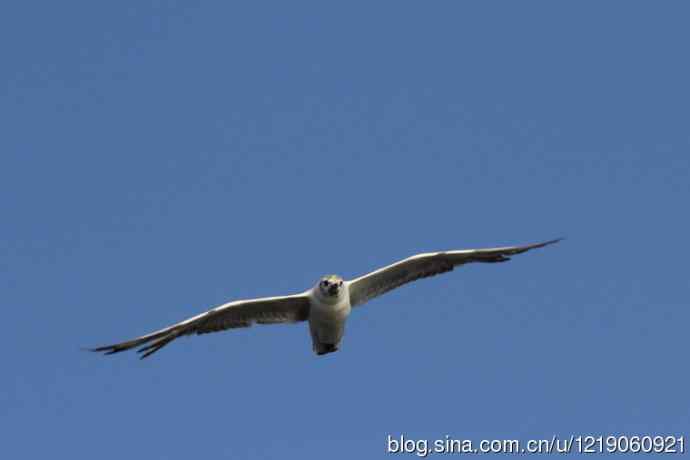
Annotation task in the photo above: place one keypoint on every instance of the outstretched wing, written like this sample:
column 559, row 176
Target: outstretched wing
column 240, row 313
column 387, row 278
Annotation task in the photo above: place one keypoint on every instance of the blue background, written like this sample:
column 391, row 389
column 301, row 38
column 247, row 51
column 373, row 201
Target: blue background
column 160, row 158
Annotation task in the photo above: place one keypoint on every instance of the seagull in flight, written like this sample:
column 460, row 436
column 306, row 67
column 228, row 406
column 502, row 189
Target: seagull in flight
column 326, row 306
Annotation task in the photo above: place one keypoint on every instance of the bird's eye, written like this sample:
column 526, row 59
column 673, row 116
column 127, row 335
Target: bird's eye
column 324, row 282
column 340, row 283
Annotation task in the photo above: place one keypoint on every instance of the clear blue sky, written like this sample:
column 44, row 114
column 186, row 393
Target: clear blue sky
column 160, row 158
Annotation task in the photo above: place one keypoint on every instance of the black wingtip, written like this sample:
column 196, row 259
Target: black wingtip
column 91, row 350
column 529, row 247
column 156, row 345
column 148, row 351
column 545, row 243
column 97, row 349
column 107, row 350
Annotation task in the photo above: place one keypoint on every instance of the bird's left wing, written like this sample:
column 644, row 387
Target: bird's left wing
column 240, row 313
column 384, row 279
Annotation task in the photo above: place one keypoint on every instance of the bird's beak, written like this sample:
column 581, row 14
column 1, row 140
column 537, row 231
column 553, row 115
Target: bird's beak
column 333, row 290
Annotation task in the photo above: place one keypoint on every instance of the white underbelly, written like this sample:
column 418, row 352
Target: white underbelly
column 327, row 322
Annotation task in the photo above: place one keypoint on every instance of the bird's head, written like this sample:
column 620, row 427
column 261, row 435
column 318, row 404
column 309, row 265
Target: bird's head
column 330, row 285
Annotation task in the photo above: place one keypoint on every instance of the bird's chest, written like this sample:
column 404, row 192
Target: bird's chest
column 323, row 312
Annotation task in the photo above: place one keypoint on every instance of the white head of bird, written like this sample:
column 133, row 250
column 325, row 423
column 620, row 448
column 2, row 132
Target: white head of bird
column 330, row 286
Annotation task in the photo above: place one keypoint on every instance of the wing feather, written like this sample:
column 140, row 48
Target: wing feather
column 379, row 282
column 237, row 314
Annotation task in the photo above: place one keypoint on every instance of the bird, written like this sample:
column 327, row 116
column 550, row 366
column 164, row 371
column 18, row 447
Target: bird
column 326, row 306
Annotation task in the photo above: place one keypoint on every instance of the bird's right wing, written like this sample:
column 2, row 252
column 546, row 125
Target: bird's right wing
column 378, row 282
column 240, row 313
